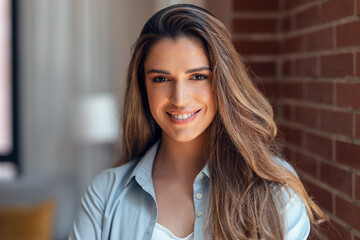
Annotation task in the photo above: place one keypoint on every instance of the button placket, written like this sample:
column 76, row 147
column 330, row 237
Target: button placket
column 199, row 199
column 198, row 196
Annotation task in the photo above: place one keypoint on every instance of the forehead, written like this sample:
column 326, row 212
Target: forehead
column 181, row 52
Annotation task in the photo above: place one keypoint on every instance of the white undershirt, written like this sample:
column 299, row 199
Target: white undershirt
column 162, row 233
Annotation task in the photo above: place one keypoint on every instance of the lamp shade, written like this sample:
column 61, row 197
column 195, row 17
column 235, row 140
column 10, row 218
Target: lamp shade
column 96, row 119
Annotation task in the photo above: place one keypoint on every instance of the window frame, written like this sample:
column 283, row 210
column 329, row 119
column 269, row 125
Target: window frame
column 14, row 155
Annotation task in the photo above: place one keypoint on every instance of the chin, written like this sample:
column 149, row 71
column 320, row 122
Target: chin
column 184, row 137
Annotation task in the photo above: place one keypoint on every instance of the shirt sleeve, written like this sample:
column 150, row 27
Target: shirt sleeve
column 296, row 220
column 88, row 222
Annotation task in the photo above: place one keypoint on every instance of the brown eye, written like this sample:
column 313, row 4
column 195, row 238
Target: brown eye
column 199, row 77
column 160, row 79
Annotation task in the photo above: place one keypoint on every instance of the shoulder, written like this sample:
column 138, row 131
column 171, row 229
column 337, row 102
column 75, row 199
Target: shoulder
column 286, row 193
column 111, row 179
column 296, row 220
column 89, row 221
column 116, row 173
column 285, row 165
column 292, row 209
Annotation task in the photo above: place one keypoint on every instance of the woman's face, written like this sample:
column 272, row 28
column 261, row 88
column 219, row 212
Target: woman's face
column 178, row 85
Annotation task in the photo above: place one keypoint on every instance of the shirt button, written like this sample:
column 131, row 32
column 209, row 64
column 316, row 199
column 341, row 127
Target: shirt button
column 199, row 214
column 202, row 175
column 199, row 196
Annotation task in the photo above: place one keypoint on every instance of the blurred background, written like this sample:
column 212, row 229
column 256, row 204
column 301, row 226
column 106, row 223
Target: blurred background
column 62, row 72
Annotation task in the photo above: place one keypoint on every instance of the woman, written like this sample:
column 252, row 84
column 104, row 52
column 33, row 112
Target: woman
column 199, row 158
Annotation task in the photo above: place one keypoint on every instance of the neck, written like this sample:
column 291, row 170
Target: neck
column 180, row 159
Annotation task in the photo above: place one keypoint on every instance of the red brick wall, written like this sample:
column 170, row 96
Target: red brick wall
column 306, row 56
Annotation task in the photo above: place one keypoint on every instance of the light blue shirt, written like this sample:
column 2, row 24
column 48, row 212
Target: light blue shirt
column 120, row 204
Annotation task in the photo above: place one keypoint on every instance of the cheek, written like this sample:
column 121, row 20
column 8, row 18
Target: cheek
column 155, row 99
column 206, row 96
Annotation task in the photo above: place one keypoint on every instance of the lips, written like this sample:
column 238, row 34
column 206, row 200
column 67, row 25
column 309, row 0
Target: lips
column 182, row 117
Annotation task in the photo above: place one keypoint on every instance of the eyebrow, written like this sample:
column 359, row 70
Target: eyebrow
column 187, row 71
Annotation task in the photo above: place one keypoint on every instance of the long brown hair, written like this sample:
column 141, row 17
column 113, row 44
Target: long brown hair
column 243, row 169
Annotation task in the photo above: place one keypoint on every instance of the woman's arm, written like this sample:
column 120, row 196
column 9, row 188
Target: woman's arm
column 296, row 220
column 88, row 222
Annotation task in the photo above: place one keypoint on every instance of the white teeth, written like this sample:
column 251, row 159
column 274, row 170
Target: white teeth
column 183, row 117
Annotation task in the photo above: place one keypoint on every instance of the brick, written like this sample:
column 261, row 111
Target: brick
column 288, row 112
column 348, row 94
column 292, row 90
column 306, row 67
column 348, row 153
column 256, row 6
column 358, row 64
column 320, row 40
column 254, row 25
column 308, row 17
column 257, row 47
column 288, row 154
column 336, row 178
column 336, row 232
column 292, row 135
column 357, row 187
column 348, row 34
column 289, row 4
column 286, row 24
column 320, row 92
column 287, row 68
column 293, row 45
column 322, row 196
column 337, row 9
column 348, row 212
column 357, row 126
column 306, row 164
column 263, row 68
column 339, row 65
column 336, row 122
column 321, row 146
column 306, row 116
column 270, row 89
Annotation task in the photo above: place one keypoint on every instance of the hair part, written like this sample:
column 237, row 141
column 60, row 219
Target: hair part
column 244, row 172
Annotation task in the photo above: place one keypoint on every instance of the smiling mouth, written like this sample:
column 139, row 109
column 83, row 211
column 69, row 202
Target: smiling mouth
column 183, row 116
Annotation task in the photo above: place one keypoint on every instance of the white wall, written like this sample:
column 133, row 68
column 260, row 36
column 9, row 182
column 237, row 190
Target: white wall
column 46, row 81
column 69, row 48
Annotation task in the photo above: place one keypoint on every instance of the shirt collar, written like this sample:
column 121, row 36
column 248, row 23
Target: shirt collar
column 143, row 170
column 206, row 170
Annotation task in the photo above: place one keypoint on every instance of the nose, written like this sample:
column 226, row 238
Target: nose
column 180, row 94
